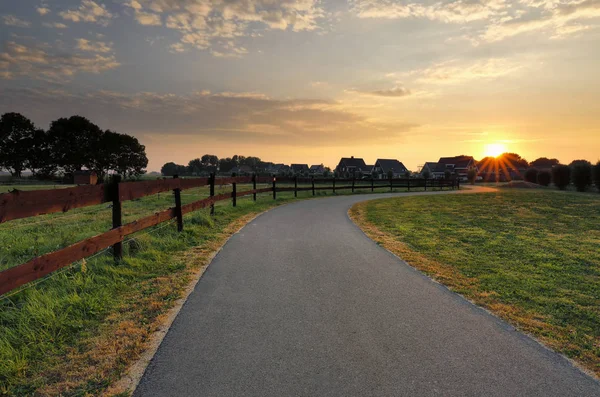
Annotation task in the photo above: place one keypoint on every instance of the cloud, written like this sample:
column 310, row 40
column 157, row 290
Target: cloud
column 491, row 20
column 203, row 23
column 38, row 63
column 98, row 46
column 88, row 11
column 55, row 25
column 241, row 117
column 43, row 10
column 11, row 20
column 395, row 92
column 455, row 72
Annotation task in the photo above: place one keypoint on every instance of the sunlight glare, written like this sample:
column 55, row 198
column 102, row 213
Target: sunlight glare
column 494, row 149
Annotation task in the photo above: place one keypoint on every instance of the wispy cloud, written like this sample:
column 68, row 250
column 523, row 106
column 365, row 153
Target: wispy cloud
column 11, row 20
column 37, row 62
column 88, row 11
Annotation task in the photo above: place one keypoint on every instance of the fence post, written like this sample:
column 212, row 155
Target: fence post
column 352, row 184
column 178, row 213
column 391, row 183
column 313, row 185
column 212, row 191
column 254, row 186
column 334, row 185
column 425, row 184
column 117, row 217
column 234, row 193
column 296, row 186
column 274, row 189
column 372, row 183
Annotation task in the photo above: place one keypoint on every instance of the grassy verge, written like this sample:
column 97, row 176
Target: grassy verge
column 531, row 257
column 77, row 331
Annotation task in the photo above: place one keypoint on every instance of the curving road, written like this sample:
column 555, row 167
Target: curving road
column 301, row 303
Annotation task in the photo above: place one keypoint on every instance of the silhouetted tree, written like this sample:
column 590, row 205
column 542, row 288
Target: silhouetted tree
column 596, row 175
column 169, row 169
column 472, row 175
column 75, row 142
column 195, row 166
column 544, row 162
column 561, row 176
column 581, row 174
column 41, row 159
column 544, row 177
column 16, row 139
column 531, row 175
column 227, row 164
column 131, row 157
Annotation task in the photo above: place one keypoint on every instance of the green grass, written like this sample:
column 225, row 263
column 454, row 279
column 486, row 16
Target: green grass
column 58, row 336
column 531, row 256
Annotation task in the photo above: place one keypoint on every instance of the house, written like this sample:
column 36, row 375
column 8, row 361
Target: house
column 428, row 169
column 85, row 178
column 317, row 169
column 459, row 165
column 300, row 168
column 351, row 165
column 278, row 169
column 383, row 167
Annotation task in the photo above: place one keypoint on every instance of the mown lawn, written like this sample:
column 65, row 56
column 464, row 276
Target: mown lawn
column 76, row 332
column 532, row 257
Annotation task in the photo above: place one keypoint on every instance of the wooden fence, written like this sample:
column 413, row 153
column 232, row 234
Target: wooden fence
column 24, row 204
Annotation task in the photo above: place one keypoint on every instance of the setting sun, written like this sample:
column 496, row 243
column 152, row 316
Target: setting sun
column 494, row 149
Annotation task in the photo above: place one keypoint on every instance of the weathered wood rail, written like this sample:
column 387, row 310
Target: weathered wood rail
column 25, row 204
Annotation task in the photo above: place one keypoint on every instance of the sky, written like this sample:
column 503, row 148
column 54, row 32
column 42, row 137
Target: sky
column 311, row 81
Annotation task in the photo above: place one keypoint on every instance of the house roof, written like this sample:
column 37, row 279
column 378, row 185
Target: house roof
column 430, row 164
column 300, row 167
column 390, row 164
column 457, row 162
column 356, row 162
column 316, row 167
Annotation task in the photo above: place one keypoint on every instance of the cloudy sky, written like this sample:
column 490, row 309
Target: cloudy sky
column 309, row 81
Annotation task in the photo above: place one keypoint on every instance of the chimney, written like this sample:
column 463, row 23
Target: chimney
column 351, row 157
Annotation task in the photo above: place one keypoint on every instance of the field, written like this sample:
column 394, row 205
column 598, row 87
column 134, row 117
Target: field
column 532, row 257
column 76, row 331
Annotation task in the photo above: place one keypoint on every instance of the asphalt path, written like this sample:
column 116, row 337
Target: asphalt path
column 301, row 303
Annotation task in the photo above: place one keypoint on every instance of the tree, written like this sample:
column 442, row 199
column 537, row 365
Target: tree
column 374, row 174
column 407, row 174
column 390, row 174
column 581, row 175
column 596, row 175
column 41, row 159
column 561, row 176
column 359, row 175
column 514, row 161
column 75, row 142
column 544, row 177
column 227, row 164
column 326, row 173
column 447, row 174
column 531, row 175
column 16, row 135
column 472, row 175
column 195, row 166
column 210, row 162
column 544, row 163
column 130, row 159
column 426, row 174
column 169, row 169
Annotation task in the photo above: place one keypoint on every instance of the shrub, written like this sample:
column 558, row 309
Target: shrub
column 596, row 175
column 531, row 175
column 544, row 178
column 561, row 176
column 472, row 175
column 581, row 176
column 447, row 174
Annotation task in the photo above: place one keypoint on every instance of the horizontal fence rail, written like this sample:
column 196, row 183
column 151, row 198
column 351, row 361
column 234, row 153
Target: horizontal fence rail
column 24, row 204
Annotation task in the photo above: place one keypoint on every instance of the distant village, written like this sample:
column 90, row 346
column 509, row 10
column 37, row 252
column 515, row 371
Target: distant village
column 347, row 167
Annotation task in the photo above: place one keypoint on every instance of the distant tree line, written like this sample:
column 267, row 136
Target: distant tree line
column 69, row 145
column 202, row 166
column 581, row 173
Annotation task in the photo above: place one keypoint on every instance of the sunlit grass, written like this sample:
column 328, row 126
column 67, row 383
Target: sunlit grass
column 533, row 257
